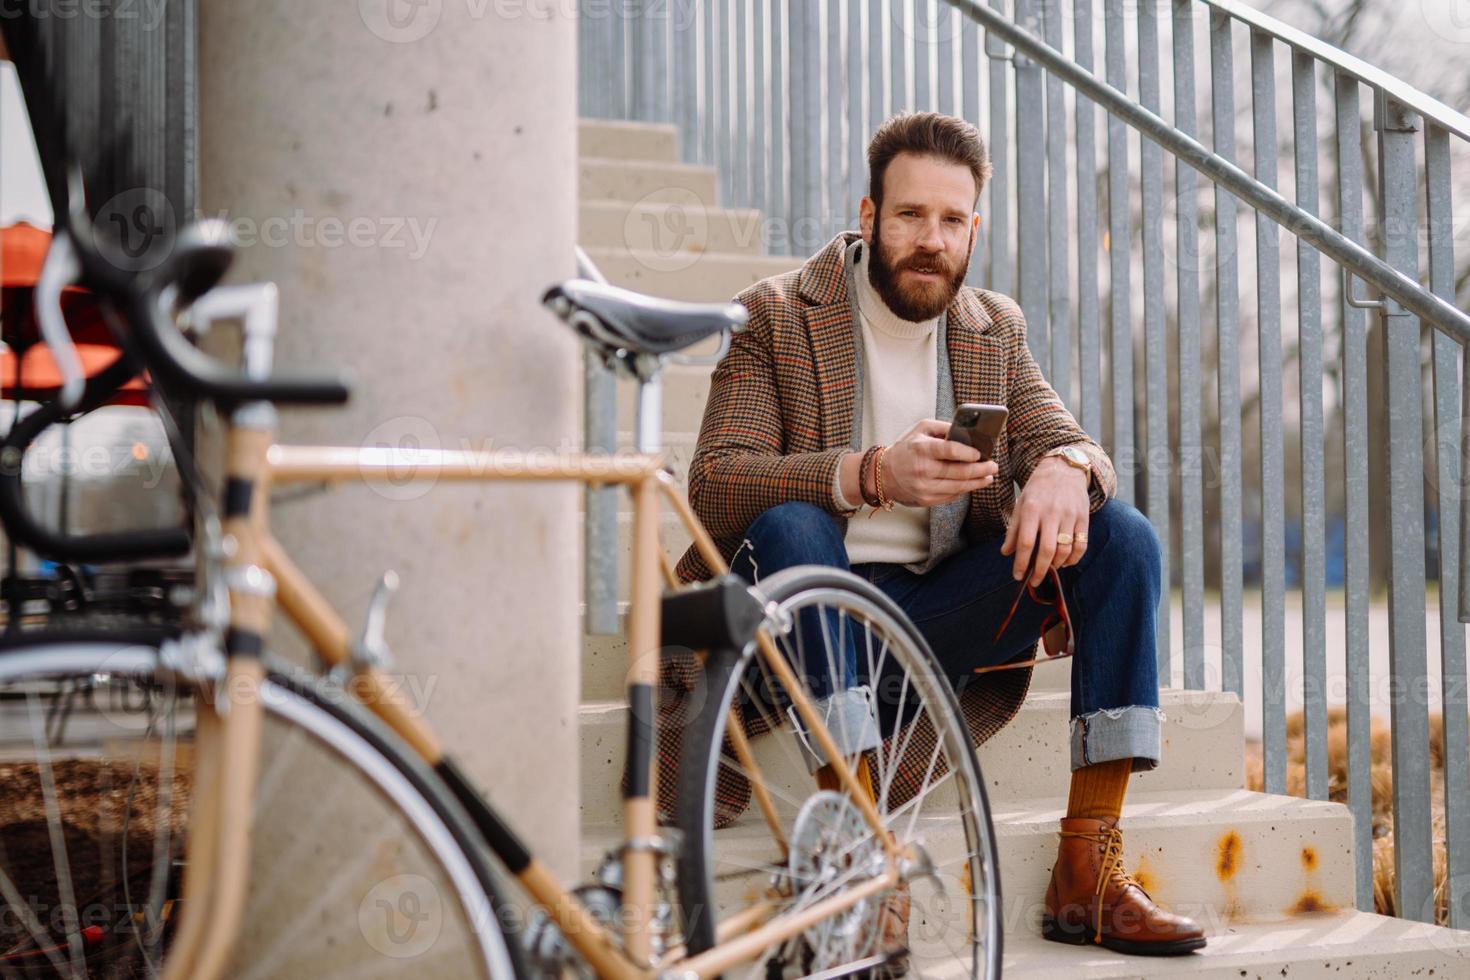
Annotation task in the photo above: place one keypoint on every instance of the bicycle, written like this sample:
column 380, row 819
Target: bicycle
column 806, row 888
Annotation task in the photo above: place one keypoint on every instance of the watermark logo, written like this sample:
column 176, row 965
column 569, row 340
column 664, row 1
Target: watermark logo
column 136, row 229
column 401, row 21
column 1450, row 19
column 401, row 459
column 668, row 230
column 401, row 917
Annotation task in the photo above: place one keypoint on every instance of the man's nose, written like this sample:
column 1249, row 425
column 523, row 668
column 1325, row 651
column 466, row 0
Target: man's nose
column 930, row 238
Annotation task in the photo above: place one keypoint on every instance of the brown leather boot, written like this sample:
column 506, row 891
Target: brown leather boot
column 1092, row 899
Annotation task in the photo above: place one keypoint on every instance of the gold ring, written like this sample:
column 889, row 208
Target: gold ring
column 1080, row 537
column 1064, row 538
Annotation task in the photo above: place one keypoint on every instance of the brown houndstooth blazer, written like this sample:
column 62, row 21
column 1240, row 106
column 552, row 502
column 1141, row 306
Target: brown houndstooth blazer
column 779, row 419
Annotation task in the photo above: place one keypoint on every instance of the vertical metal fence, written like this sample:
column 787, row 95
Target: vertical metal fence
column 1264, row 491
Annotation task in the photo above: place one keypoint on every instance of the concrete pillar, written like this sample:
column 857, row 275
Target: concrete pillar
column 406, row 172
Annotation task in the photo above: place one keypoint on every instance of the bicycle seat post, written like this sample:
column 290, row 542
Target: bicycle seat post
column 648, row 427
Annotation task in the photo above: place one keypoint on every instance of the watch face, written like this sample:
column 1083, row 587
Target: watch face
column 1075, row 455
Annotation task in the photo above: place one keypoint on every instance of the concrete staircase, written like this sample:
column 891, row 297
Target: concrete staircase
column 1270, row 876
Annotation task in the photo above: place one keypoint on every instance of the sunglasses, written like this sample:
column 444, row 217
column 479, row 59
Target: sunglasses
column 1057, row 639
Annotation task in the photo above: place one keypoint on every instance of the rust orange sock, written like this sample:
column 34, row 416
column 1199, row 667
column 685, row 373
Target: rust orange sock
column 1097, row 790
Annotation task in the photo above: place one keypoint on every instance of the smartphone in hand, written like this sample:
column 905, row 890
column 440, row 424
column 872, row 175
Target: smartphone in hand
column 978, row 425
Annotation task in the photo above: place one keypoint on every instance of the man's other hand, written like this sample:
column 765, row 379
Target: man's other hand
column 1054, row 501
column 923, row 468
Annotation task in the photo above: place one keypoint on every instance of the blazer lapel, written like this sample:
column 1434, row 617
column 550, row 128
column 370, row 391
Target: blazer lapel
column 977, row 360
column 830, row 332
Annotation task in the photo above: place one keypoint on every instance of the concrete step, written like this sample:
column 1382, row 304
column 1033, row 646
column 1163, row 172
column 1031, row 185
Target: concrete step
column 1028, row 759
column 675, row 232
column 711, row 278
column 688, row 185
column 1268, row 877
column 1316, row 946
column 1220, row 856
column 620, row 140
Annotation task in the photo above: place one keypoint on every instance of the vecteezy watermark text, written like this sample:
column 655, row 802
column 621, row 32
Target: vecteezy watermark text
column 305, row 230
column 149, row 12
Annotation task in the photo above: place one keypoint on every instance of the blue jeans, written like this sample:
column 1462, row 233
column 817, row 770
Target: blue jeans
column 1112, row 596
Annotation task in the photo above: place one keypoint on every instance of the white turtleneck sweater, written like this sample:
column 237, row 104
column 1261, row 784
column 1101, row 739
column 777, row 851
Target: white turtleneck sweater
column 900, row 369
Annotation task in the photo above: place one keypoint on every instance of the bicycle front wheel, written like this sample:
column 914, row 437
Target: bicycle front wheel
column 803, row 843
column 361, row 865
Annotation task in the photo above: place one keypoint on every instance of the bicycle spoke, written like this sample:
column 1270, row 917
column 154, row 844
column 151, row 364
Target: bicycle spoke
column 38, row 932
column 324, row 894
column 914, row 816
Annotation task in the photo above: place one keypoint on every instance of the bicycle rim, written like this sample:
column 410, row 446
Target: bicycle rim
column 96, row 752
column 928, row 791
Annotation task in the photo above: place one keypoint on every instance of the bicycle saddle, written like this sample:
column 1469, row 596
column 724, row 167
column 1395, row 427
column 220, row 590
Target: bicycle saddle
column 637, row 323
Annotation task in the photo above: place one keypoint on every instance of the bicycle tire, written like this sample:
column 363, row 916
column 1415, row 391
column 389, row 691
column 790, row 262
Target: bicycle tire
column 704, row 756
column 352, row 738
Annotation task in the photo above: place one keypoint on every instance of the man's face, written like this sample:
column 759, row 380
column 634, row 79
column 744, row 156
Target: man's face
column 922, row 239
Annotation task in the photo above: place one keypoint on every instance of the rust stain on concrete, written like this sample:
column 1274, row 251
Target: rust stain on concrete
column 1227, row 856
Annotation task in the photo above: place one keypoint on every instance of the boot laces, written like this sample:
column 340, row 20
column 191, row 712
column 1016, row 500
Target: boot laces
column 1112, row 867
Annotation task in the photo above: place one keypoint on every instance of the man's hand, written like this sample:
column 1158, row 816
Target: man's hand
column 1053, row 501
column 923, row 468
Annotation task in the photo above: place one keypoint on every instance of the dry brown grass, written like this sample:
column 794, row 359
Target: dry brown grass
column 1381, row 777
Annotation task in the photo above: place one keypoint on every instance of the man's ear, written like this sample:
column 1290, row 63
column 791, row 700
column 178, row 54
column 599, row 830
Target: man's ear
column 867, row 210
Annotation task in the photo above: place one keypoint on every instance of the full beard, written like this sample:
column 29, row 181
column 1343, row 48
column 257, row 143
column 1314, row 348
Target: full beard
column 921, row 301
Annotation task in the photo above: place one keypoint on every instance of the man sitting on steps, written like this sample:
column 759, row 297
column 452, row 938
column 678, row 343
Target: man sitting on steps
column 835, row 402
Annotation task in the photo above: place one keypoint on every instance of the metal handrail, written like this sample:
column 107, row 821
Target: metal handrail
column 800, row 81
column 1305, row 225
column 1376, row 78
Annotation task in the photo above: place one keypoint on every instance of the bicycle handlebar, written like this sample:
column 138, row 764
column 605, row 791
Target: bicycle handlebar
column 200, row 257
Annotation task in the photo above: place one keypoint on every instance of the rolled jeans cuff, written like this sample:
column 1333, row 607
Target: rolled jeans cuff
column 850, row 720
column 1134, row 732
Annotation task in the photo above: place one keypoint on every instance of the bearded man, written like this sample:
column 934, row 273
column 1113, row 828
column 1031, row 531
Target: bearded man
column 836, row 400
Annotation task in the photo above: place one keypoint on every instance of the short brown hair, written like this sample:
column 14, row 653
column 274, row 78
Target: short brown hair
column 931, row 134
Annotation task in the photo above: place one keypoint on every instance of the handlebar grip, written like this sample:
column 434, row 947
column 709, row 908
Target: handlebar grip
column 26, row 531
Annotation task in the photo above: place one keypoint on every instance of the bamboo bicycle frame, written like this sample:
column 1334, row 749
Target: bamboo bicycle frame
column 261, row 576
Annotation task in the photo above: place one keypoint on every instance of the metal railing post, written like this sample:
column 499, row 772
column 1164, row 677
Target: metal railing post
column 1408, row 667
column 1355, row 473
column 1227, row 361
column 1124, row 447
column 1031, row 189
column 1159, row 462
column 1309, row 395
column 1449, row 423
column 650, row 62
column 1089, row 343
column 1191, row 393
